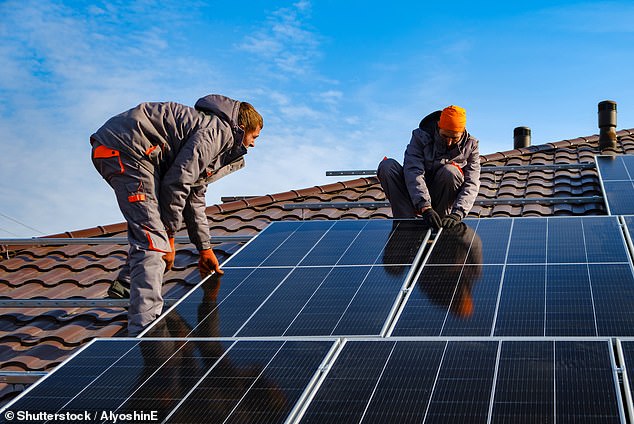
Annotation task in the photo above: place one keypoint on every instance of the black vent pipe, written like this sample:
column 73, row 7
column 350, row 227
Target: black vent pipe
column 607, row 125
column 521, row 137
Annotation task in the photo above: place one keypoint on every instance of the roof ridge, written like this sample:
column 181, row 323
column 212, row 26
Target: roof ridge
column 268, row 199
column 548, row 146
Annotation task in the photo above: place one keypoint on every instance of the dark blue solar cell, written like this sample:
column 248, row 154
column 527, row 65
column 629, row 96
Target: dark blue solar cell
column 60, row 387
column 224, row 319
column 494, row 235
column 454, row 245
column 225, row 386
column 613, row 292
column 528, row 241
column 585, row 382
column 200, row 303
column 168, row 378
column 120, row 380
column 566, row 242
column 254, row 253
column 428, row 304
column 348, row 387
column 569, row 303
column 406, row 383
column 628, row 161
column 473, row 304
column 463, row 388
column 604, row 240
column 368, row 310
column 294, row 248
column 323, row 311
column 404, row 242
column 335, row 243
column 525, row 387
column 367, row 248
column 620, row 197
column 280, row 310
column 451, row 301
column 612, row 168
column 281, row 384
column 522, row 301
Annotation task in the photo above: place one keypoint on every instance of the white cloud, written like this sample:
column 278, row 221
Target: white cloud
column 285, row 45
column 64, row 73
column 331, row 97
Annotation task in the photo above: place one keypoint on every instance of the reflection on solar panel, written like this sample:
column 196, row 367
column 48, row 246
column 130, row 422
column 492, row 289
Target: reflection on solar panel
column 183, row 381
column 524, row 277
column 469, row 381
column 493, row 306
column 617, row 179
column 305, row 279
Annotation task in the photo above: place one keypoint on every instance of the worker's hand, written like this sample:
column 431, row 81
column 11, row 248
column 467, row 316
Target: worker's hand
column 208, row 263
column 169, row 257
column 432, row 218
column 451, row 220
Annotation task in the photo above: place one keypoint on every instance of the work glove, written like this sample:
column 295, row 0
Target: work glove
column 208, row 263
column 432, row 219
column 451, row 220
column 170, row 256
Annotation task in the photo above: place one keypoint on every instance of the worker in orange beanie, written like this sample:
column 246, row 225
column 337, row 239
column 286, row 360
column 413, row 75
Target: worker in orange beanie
column 440, row 176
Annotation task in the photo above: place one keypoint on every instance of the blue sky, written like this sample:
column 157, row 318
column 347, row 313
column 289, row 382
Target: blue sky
column 340, row 84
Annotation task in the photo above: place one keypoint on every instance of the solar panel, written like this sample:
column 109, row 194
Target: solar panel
column 181, row 381
column 429, row 381
column 617, row 180
column 524, row 277
column 507, row 320
column 561, row 381
column 304, row 279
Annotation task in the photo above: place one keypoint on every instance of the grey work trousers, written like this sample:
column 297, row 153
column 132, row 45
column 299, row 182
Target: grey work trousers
column 443, row 188
column 136, row 189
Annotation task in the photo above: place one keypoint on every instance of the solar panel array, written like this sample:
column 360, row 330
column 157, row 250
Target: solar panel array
column 306, row 279
column 617, row 180
column 469, row 381
column 525, row 277
column 498, row 320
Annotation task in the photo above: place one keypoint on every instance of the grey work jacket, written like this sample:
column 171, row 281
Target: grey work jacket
column 427, row 152
column 187, row 147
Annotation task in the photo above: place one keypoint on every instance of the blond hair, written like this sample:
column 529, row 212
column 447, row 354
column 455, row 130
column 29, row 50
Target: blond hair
column 249, row 118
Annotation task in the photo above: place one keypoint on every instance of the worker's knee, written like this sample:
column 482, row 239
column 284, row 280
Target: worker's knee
column 449, row 177
column 389, row 169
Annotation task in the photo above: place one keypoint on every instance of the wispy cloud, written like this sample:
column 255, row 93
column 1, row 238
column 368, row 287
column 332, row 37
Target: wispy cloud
column 65, row 71
column 285, row 44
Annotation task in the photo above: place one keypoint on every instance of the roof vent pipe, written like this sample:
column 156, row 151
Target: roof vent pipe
column 521, row 137
column 607, row 125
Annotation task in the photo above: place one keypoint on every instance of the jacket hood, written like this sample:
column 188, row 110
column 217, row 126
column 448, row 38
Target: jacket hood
column 430, row 122
column 226, row 109
column 221, row 106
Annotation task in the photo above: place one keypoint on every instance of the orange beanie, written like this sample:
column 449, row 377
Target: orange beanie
column 453, row 118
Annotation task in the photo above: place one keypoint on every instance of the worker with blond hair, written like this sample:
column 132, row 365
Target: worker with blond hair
column 159, row 158
column 440, row 176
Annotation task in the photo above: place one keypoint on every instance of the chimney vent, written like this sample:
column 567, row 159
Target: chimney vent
column 607, row 125
column 521, row 137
